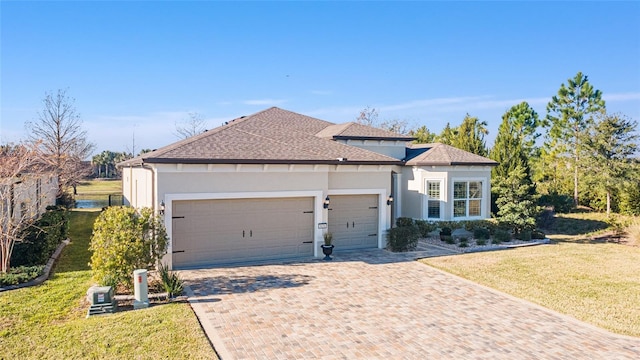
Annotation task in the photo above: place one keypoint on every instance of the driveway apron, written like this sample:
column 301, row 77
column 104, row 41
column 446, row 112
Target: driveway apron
column 380, row 305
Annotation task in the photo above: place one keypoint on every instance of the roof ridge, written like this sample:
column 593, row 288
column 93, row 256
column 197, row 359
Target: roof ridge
column 206, row 133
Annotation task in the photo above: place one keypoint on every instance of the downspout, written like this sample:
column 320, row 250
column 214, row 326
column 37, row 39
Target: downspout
column 153, row 184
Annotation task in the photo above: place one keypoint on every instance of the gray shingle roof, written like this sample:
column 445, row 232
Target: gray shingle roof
column 441, row 154
column 352, row 130
column 273, row 135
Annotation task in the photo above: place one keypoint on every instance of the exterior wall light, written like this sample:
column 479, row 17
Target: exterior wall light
column 390, row 200
column 161, row 207
column 326, row 202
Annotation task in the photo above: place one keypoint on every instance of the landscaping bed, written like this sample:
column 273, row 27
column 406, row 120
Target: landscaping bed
column 473, row 246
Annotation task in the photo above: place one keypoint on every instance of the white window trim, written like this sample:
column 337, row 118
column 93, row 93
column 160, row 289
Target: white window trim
column 425, row 199
column 483, row 200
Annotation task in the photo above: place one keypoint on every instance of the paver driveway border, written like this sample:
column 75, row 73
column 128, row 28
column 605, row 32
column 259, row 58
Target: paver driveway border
column 383, row 305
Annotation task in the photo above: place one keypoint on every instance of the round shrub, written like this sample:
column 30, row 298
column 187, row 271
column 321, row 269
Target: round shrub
column 404, row 222
column 501, row 236
column 481, row 233
column 403, row 238
column 125, row 239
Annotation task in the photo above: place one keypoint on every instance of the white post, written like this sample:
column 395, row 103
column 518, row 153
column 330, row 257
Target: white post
column 140, row 288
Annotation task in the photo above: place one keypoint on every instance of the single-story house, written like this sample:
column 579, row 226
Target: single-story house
column 268, row 185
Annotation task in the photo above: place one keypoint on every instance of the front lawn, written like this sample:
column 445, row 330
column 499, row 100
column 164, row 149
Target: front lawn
column 48, row 321
column 583, row 276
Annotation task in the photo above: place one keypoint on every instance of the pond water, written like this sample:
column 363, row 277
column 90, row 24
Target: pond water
column 91, row 203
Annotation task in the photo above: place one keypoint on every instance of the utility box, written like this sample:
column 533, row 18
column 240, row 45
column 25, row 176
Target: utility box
column 140, row 289
column 102, row 300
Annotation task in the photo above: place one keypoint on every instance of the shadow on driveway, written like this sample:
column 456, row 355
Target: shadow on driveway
column 220, row 285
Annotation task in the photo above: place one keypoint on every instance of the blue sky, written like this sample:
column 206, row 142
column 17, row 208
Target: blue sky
column 138, row 67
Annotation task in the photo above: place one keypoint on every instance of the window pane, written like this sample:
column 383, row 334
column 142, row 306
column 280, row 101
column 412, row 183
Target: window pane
column 433, row 190
column 433, row 211
column 475, row 190
column 474, row 207
column 459, row 190
column 459, row 208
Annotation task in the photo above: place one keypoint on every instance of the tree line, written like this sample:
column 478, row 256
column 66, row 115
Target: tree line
column 587, row 157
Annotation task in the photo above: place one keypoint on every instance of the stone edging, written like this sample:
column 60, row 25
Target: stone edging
column 45, row 272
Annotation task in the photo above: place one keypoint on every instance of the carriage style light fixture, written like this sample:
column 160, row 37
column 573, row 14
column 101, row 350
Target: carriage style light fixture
column 161, row 207
column 390, row 200
column 326, row 202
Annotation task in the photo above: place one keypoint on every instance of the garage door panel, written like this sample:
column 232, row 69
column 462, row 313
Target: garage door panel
column 353, row 221
column 226, row 231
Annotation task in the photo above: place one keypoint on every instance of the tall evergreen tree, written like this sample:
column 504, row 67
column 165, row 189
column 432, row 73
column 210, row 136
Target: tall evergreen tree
column 569, row 115
column 447, row 136
column 608, row 154
column 516, row 201
column 470, row 135
column 515, row 142
column 423, row 135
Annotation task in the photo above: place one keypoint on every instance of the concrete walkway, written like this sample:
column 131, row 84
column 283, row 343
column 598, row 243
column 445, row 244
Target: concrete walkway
column 379, row 305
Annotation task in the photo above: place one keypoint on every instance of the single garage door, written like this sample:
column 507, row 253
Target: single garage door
column 353, row 221
column 209, row 232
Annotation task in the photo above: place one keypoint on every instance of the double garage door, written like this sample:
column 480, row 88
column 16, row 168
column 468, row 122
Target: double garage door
column 210, row 232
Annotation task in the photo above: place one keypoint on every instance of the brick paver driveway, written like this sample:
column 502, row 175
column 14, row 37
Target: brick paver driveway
column 378, row 305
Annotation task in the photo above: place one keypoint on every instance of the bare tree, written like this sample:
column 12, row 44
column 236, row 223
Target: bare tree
column 20, row 195
column 368, row 116
column 62, row 140
column 191, row 126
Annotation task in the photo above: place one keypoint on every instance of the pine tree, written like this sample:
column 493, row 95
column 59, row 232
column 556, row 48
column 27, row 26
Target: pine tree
column 609, row 148
column 569, row 115
column 515, row 142
column 469, row 136
column 516, row 201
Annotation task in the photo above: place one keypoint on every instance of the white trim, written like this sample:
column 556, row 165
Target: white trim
column 383, row 221
column 484, row 200
column 170, row 198
column 442, row 199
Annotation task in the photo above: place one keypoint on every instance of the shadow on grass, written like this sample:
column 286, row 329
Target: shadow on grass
column 573, row 226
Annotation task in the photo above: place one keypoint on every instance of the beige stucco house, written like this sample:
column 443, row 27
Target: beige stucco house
column 27, row 196
column 268, row 186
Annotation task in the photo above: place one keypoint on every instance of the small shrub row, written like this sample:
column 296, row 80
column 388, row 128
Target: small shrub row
column 20, row 274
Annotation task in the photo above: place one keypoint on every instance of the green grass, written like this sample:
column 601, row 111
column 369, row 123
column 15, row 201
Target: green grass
column 100, row 187
column 590, row 279
column 48, row 321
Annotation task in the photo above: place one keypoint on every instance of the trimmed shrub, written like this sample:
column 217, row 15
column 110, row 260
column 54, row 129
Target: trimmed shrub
column 425, row 227
column 537, row 234
column 20, row 274
column 501, row 236
column 481, row 242
column 445, row 231
column 464, row 242
column 404, row 222
column 123, row 240
column 41, row 238
column 481, row 233
column 403, row 238
column 448, row 239
column 524, row 235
